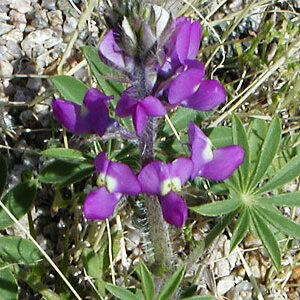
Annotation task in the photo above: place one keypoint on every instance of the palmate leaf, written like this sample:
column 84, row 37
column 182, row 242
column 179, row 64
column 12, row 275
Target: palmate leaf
column 18, row 200
column 286, row 199
column 283, row 224
column 171, row 285
column 70, row 88
column 241, row 228
column 147, row 282
column 67, row 154
column 199, row 298
column 239, row 137
column 290, row 171
column 65, row 173
column 217, row 208
column 8, row 285
column 120, row 292
column 268, row 151
column 267, row 237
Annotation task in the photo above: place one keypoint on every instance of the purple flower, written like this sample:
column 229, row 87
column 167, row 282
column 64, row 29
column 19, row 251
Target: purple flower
column 114, row 179
column 113, row 55
column 216, row 164
column 190, row 90
column 182, row 45
column 94, row 119
column 163, row 179
column 139, row 109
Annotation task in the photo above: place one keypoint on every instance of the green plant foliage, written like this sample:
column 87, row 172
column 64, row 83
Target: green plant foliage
column 169, row 288
column 199, row 298
column 267, row 237
column 120, row 292
column 268, row 151
column 218, row 208
column 101, row 71
column 67, row 154
column 70, row 88
column 147, row 281
column 18, row 201
column 219, row 136
column 8, row 285
column 15, row 250
column 245, row 188
column 64, row 173
column 3, row 173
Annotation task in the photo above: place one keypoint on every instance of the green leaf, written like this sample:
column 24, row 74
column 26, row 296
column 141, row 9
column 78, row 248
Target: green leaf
column 171, row 285
column 120, row 292
column 100, row 70
column 268, row 151
column 240, row 229
column 8, row 285
column 181, row 117
column 147, row 282
column 283, row 224
column 217, row 208
column 267, row 237
column 218, row 229
column 286, row 199
column 18, row 201
column 239, row 137
column 257, row 131
column 65, row 173
column 67, row 154
column 219, row 136
column 70, row 88
column 3, row 173
column 199, row 298
column 290, row 171
column 15, row 250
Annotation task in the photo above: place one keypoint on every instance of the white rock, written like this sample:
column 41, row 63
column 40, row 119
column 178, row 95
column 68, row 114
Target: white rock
column 23, row 6
column 14, row 35
column 3, row 17
column 40, row 19
column 222, row 268
column 70, row 25
column 6, row 69
column 14, row 49
column 18, row 19
column 5, row 28
column 55, row 17
column 225, row 284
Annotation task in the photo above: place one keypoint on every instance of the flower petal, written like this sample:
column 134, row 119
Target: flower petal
column 139, row 119
column 126, row 181
column 209, row 94
column 100, row 204
column 182, row 168
column 69, row 114
column 188, row 40
column 201, row 152
column 149, row 177
column 110, row 52
column 225, row 161
column 184, row 85
column 97, row 115
column 126, row 105
column 153, row 107
column 101, row 163
column 174, row 209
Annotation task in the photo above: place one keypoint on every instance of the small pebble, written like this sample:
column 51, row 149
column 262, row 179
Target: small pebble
column 6, row 69
column 23, row 6
column 225, row 284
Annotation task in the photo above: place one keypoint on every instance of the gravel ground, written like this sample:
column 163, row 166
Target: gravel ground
column 34, row 34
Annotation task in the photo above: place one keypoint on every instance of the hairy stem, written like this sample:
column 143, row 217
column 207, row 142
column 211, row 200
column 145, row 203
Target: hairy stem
column 158, row 228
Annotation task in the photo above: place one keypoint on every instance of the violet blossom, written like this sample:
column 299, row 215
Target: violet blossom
column 164, row 179
column 91, row 117
column 114, row 179
column 216, row 164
